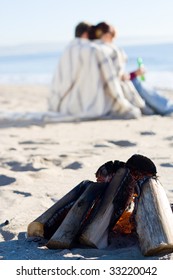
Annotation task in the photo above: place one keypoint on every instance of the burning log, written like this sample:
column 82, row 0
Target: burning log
column 154, row 219
column 68, row 231
column 116, row 198
column 90, row 210
column 47, row 223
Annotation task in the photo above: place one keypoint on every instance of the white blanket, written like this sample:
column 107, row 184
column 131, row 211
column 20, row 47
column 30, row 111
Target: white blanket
column 86, row 84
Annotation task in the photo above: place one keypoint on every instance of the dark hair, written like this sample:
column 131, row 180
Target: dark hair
column 118, row 164
column 141, row 164
column 96, row 31
column 110, row 167
column 81, row 28
column 105, row 169
column 92, row 33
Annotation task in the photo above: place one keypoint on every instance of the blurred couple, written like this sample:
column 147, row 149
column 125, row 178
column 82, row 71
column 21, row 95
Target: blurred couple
column 90, row 80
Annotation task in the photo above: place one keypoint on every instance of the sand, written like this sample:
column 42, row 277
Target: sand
column 41, row 163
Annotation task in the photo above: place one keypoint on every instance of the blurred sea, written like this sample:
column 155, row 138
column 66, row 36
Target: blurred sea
column 35, row 64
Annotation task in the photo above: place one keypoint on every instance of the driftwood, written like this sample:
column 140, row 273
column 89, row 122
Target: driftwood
column 47, row 223
column 154, row 219
column 114, row 202
column 68, row 231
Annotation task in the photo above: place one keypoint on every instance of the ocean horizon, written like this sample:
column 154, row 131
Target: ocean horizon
column 36, row 63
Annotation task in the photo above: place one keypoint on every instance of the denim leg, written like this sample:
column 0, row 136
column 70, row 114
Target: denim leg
column 155, row 100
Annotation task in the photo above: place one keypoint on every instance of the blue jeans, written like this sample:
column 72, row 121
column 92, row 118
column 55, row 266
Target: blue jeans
column 159, row 103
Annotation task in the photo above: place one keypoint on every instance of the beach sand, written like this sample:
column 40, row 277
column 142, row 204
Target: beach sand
column 41, row 163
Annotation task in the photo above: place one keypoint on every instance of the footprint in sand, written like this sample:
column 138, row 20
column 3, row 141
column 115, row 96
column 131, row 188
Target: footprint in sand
column 5, row 180
column 169, row 138
column 30, row 148
column 122, row 143
column 63, row 156
column 166, row 164
column 74, row 165
column 101, row 146
column 12, row 149
column 17, row 166
column 147, row 133
column 29, row 142
column 53, row 161
column 26, row 194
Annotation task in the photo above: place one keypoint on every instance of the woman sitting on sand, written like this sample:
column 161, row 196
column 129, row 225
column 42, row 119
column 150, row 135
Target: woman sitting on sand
column 155, row 103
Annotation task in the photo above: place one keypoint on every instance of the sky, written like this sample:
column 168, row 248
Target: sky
column 37, row 21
